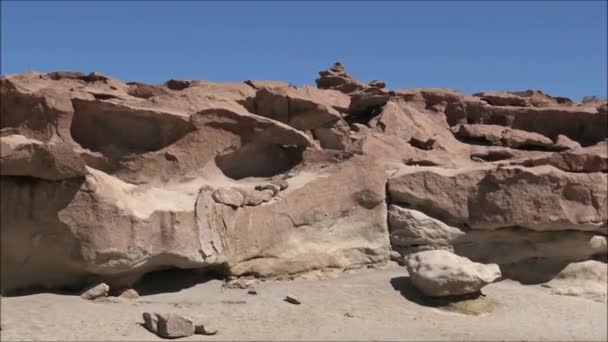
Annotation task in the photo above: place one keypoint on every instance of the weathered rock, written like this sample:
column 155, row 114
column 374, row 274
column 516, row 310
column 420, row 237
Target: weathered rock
column 229, row 197
column 129, row 294
column 108, row 180
column 539, row 99
column 565, row 143
column 274, row 189
column 363, row 97
column 281, row 183
column 585, row 279
column 499, row 135
column 255, row 197
column 503, row 99
column 201, row 329
column 441, row 273
column 516, row 245
column 95, row 291
column 377, row 84
column 583, row 159
column 21, row 156
column 302, row 108
column 169, row 325
column 241, row 283
column 581, row 124
column 411, row 230
column 541, row 198
column 292, row 300
column 151, row 322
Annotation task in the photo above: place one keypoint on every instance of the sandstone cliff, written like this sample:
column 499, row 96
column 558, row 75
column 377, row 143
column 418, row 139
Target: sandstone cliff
column 105, row 180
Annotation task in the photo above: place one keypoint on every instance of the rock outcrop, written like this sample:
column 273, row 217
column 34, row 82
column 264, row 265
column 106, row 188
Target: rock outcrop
column 105, row 181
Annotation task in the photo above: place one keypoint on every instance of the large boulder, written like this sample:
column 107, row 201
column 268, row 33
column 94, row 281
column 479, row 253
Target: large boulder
column 587, row 279
column 440, row 273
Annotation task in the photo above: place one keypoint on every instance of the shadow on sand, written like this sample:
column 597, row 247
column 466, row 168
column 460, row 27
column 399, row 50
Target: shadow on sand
column 172, row 280
column 406, row 288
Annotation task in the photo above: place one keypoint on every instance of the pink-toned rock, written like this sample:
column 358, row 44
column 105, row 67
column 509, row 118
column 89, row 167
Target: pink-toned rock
column 540, row 198
column 108, row 180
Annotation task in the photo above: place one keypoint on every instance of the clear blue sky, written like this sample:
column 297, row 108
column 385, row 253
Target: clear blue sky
column 558, row 47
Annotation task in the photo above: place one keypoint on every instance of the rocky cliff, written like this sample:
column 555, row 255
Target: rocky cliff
column 105, row 180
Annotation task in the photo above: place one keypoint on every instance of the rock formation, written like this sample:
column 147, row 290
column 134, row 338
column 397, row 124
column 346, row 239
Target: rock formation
column 105, row 181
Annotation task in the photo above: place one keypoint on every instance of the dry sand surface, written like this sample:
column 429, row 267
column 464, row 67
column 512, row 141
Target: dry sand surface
column 364, row 305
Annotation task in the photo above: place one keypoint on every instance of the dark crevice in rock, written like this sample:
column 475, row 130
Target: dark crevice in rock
column 492, row 156
column 98, row 96
column 259, row 160
column 413, row 162
column 362, row 117
column 425, row 145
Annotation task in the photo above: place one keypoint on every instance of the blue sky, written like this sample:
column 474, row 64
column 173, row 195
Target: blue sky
column 558, row 47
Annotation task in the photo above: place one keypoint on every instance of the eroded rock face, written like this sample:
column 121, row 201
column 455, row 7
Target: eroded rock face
column 105, row 181
column 411, row 230
column 539, row 198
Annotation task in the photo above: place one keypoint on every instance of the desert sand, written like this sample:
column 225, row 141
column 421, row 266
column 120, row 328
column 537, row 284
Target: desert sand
column 382, row 305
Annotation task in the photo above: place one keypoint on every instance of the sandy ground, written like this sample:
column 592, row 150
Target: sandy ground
column 366, row 305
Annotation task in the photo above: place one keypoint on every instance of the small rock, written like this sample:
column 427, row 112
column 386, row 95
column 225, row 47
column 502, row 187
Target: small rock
column 252, row 292
column 349, row 315
column 129, row 294
column 377, row 84
column 240, row 283
column 201, row 330
column 151, row 322
column 96, row 291
column 254, row 198
column 229, row 197
column 281, row 183
column 272, row 187
column 174, row 326
column 395, row 256
column 292, row 300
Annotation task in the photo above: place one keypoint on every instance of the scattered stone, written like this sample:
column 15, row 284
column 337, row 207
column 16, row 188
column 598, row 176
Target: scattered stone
column 439, row 273
column 200, row 329
column 292, row 300
column 281, row 183
column 394, row 255
column 151, row 322
column 252, row 292
column 349, row 315
column 272, row 187
column 377, row 84
column 240, row 283
column 129, row 294
column 95, row 291
column 174, row 326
